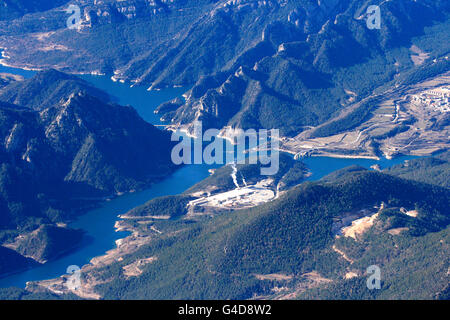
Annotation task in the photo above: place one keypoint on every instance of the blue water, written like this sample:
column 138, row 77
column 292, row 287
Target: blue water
column 322, row 166
column 24, row 73
column 145, row 102
column 99, row 223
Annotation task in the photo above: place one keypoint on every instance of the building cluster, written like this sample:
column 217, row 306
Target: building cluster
column 437, row 98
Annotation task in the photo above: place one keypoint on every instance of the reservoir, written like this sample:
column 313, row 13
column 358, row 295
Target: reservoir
column 99, row 223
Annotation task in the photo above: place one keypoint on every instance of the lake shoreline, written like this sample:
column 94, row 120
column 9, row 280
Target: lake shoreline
column 99, row 222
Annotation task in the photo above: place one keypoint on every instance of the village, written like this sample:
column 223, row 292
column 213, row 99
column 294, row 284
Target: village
column 438, row 99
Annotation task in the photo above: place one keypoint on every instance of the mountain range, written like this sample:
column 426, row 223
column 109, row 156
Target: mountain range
column 278, row 64
column 66, row 147
column 311, row 68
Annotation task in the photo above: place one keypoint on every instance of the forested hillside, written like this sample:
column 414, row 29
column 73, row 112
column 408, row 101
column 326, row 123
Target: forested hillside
column 62, row 151
column 292, row 247
column 13, row 9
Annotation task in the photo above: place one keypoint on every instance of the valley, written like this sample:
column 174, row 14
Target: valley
column 88, row 104
column 212, row 199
